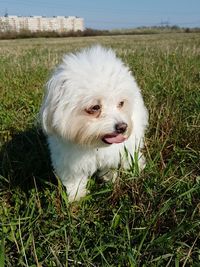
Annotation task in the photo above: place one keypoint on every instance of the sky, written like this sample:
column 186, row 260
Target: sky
column 111, row 14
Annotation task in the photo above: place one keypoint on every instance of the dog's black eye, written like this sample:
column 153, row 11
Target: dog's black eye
column 94, row 109
column 121, row 104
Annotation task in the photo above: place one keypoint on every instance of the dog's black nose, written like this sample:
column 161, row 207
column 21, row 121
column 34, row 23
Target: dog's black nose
column 121, row 127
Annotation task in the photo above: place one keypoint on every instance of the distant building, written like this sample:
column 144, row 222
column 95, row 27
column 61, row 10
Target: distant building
column 39, row 23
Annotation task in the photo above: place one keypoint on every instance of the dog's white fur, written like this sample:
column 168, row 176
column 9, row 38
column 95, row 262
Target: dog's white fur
column 90, row 93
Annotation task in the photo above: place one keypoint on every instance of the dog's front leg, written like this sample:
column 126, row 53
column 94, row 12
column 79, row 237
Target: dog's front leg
column 76, row 187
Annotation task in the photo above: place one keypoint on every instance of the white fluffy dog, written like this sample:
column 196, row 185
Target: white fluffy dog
column 92, row 111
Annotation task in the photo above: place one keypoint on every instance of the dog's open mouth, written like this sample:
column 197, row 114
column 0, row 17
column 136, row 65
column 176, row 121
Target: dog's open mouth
column 113, row 138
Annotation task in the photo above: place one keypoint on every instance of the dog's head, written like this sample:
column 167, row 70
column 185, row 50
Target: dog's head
column 90, row 99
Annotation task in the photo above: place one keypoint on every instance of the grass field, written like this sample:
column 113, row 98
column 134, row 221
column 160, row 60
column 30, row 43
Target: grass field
column 147, row 219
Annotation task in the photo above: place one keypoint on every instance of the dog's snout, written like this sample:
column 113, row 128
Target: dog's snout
column 121, row 127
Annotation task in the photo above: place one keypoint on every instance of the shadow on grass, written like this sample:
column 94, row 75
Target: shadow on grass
column 25, row 160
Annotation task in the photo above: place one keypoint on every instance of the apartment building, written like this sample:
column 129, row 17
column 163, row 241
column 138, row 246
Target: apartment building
column 40, row 23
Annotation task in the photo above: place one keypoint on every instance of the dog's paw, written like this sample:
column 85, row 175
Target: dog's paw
column 77, row 195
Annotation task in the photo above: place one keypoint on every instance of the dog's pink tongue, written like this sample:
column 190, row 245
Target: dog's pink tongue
column 114, row 139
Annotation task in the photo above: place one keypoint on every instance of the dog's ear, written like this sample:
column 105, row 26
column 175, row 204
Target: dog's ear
column 54, row 94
